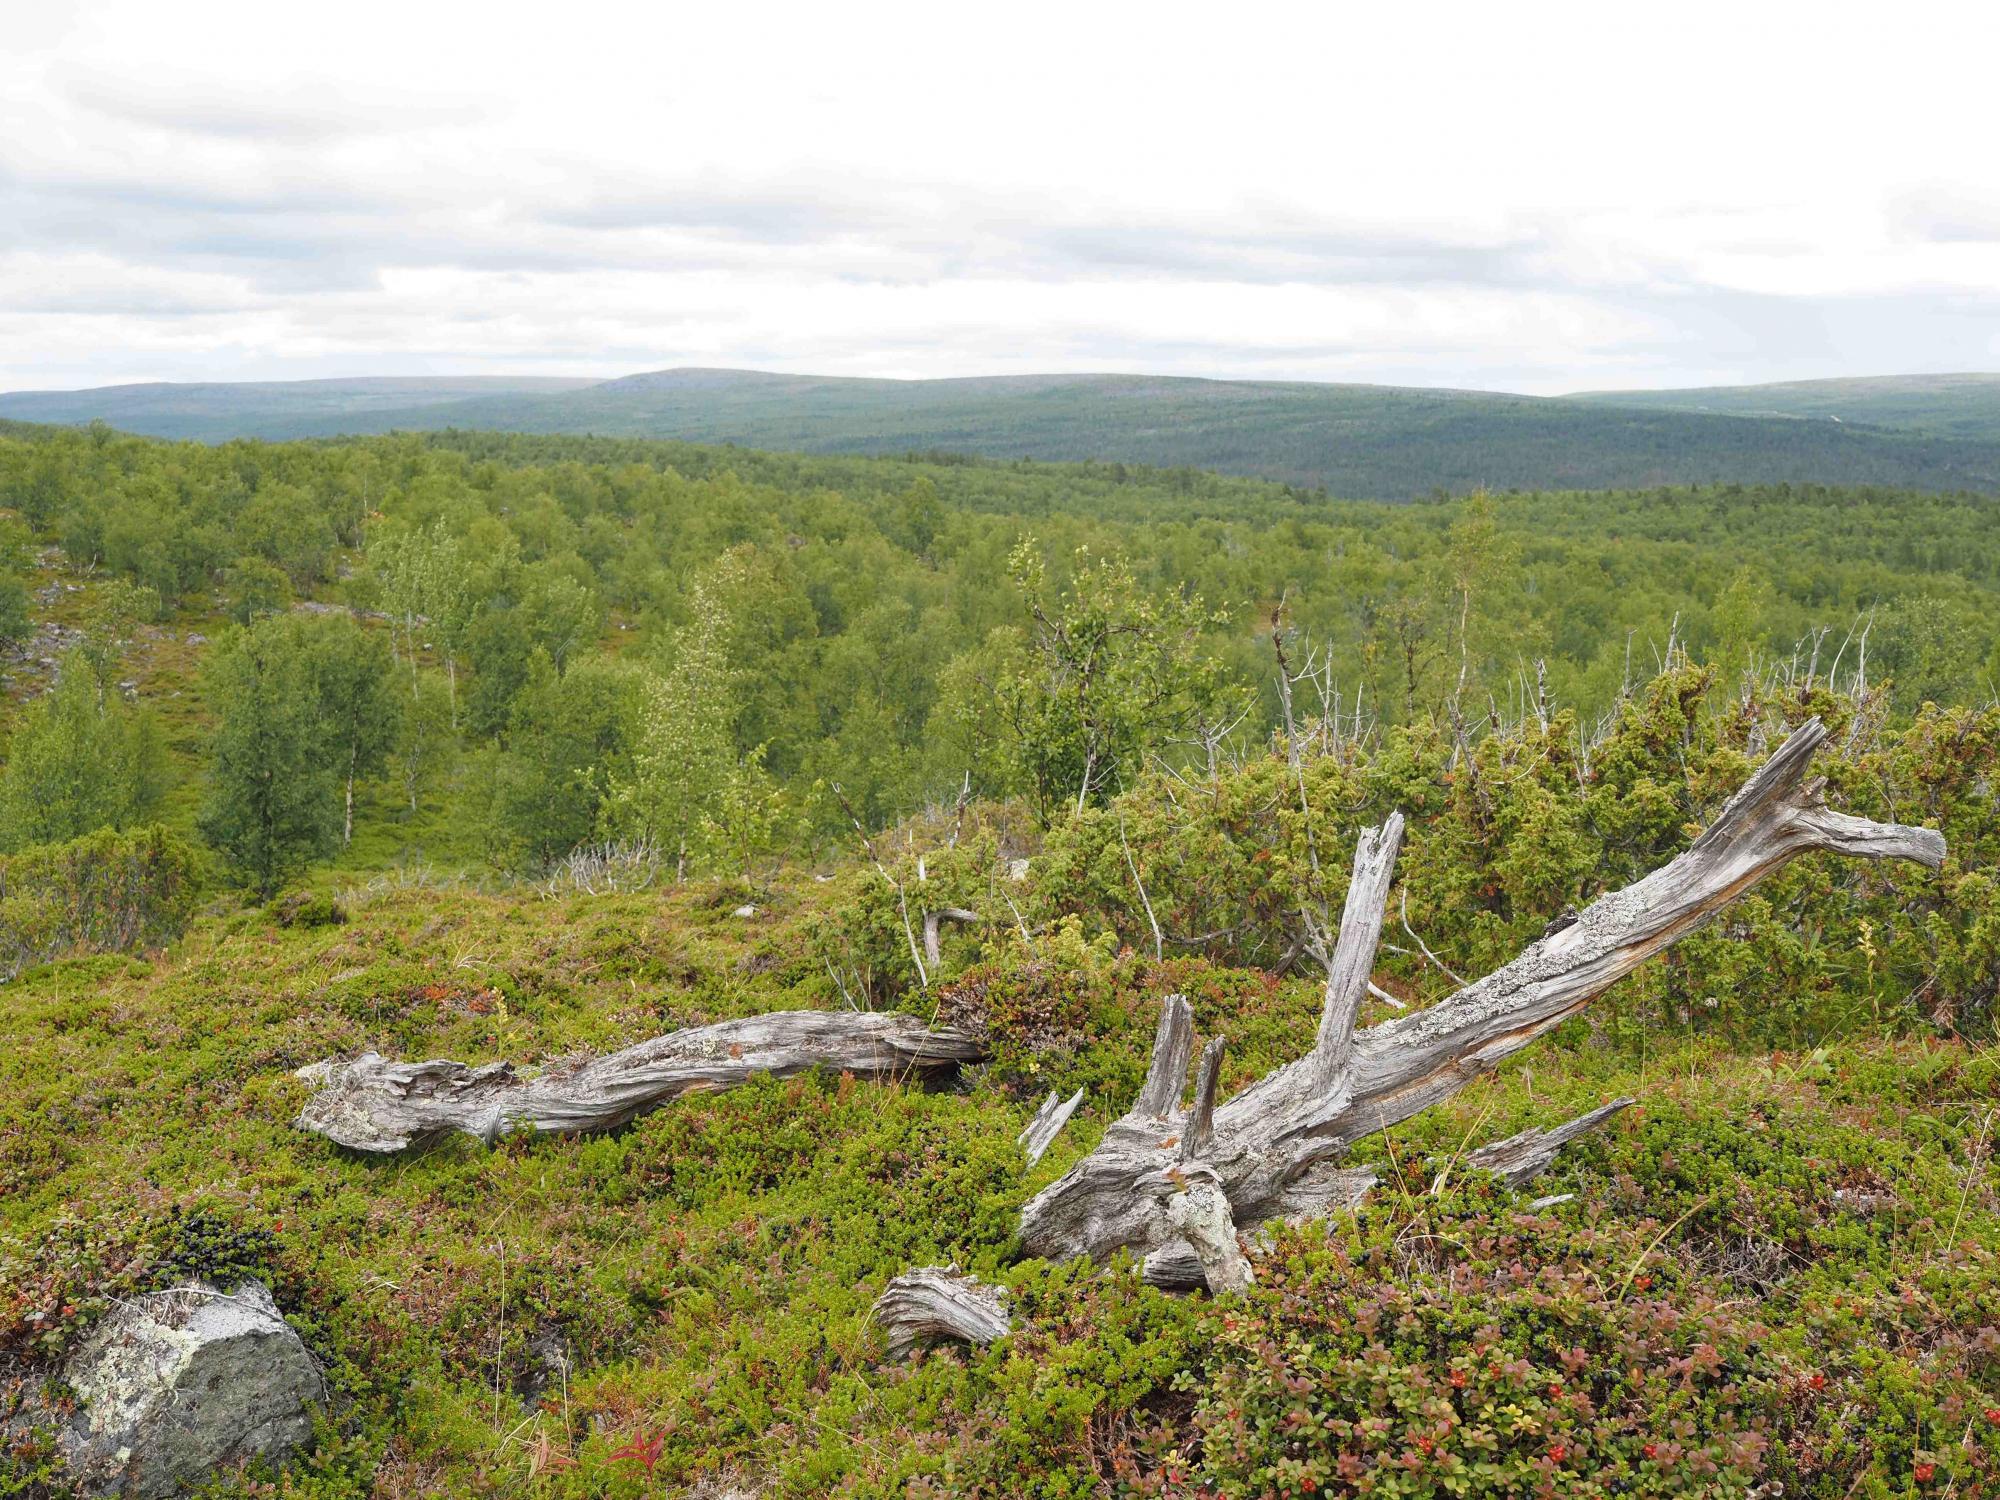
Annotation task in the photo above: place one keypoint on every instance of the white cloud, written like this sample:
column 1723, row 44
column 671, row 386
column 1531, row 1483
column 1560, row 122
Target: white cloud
column 1538, row 197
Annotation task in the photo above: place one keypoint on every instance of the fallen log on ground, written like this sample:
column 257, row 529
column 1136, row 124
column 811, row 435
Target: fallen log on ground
column 373, row 1104
column 1177, row 1185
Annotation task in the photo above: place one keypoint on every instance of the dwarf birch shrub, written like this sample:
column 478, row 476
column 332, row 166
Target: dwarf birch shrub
column 107, row 892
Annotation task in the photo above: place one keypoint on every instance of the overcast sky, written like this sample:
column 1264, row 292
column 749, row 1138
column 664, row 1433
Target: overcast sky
column 1533, row 197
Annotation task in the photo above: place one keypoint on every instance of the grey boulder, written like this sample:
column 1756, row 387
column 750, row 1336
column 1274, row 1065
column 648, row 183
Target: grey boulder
column 178, row 1384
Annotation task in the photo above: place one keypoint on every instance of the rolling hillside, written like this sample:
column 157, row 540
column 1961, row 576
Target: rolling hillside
column 216, row 411
column 1377, row 442
column 1961, row 406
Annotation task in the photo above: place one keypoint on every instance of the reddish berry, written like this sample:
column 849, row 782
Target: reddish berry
column 1923, row 1472
column 1818, row 1381
column 1558, row 1452
column 1458, row 1384
column 1651, row 1450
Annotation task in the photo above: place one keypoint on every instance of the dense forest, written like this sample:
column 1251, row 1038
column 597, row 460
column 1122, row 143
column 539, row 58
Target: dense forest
column 531, row 748
column 553, row 632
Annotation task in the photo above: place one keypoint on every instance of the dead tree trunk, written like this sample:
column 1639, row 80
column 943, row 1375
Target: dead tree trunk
column 933, row 948
column 372, row 1104
column 1176, row 1184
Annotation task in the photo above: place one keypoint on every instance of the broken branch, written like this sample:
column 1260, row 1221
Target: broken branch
column 372, row 1104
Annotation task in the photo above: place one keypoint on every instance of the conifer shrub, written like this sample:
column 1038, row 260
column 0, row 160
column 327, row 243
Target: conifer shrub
column 55, row 1286
column 1507, row 834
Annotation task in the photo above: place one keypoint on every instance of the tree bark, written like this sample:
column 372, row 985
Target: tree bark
column 372, row 1104
column 934, row 1303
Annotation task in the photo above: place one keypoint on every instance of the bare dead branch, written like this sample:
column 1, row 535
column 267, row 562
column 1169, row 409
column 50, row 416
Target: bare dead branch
column 1049, row 1120
column 1522, row 1157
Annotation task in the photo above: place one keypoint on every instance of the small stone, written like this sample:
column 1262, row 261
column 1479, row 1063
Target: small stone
column 177, row 1385
column 745, row 911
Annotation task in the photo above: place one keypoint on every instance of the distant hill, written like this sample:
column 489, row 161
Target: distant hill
column 1361, row 441
column 265, row 409
column 1964, row 406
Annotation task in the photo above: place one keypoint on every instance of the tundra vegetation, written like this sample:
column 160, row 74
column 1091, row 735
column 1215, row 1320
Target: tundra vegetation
column 530, row 751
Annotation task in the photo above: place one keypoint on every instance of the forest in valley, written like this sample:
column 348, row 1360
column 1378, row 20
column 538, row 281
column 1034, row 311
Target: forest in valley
column 495, row 650
column 531, row 748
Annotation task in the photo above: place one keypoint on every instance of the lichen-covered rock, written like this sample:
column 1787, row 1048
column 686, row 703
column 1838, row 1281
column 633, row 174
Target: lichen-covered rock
column 176, row 1385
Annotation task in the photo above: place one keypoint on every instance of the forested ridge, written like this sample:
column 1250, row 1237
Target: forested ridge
column 1365, row 441
column 1962, row 405
column 532, row 748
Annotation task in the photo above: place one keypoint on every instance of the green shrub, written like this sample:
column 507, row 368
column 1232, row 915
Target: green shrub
column 107, row 892
column 1503, row 836
column 308, row 909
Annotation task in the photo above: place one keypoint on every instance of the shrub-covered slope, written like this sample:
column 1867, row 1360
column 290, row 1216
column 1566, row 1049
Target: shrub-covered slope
column 1779, row 1267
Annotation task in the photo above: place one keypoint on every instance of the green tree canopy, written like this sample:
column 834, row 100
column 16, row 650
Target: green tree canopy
column 80, row 760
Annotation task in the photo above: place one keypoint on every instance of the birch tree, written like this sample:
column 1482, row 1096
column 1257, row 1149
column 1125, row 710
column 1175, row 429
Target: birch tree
column 686, row 750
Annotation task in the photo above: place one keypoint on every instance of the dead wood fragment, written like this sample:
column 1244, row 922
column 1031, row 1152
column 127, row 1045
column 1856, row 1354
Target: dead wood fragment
column 372, row 1104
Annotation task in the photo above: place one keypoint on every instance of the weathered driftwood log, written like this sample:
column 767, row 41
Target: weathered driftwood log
column 372, row 1104
column 933, row 1303
column 1273, row 1151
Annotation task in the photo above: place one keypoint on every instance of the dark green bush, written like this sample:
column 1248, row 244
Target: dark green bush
column 53, row 1288
column 308, row 909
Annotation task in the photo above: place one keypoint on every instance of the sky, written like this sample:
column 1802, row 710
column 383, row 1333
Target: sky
column 1535, row 197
